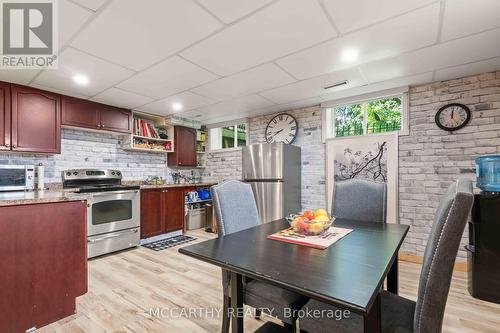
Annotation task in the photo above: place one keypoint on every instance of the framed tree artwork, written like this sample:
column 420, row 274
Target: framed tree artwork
column 373, row 157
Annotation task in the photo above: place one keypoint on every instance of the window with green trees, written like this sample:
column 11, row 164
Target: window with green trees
column 375, row 116
column 228, row 137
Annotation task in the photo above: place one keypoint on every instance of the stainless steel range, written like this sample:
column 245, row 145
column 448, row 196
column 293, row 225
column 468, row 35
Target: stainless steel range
column 113, row 209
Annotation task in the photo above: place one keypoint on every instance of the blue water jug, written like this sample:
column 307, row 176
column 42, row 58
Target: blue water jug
column 488, row 173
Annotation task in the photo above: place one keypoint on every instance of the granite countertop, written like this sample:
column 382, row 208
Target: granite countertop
column 59, row 194
column 36, row 197
column 145, row 187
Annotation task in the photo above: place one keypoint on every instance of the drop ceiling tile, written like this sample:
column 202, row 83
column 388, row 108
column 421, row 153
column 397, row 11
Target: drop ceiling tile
column 71, row 18
column 19, row 76
column 273, row 32
column 187, row 99
column 244, row 83
column 465, row 17
column 355, row 14
column 59, row 91
column 489, row 65
column 314, row 86
column 121, row 98
column 235, row 106
column 382, row 40
column 91, row 4
column 101, row 74
column 289, row 106
column 167, row 78
column 453, row 53
column 231, row 10
column 379, row 86
column 138, row 35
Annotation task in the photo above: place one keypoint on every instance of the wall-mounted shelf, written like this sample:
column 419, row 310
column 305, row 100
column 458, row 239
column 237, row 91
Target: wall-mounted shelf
column 153, row 126
column 152, row 139
column 146, row 150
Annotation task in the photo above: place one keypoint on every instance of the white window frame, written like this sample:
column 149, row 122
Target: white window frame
column 217, row 141
column 328, row 124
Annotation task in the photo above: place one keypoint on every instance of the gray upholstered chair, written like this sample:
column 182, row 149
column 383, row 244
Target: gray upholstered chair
column 236, row 210
column 426, row 315
column 349, row 195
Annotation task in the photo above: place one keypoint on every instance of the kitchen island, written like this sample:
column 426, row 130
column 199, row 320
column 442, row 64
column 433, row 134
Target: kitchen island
column 43, row 246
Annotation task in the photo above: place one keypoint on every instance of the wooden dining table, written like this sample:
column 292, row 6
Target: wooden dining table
column 349, row 274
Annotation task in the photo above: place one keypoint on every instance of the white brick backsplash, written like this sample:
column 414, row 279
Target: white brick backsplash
column 82, row 149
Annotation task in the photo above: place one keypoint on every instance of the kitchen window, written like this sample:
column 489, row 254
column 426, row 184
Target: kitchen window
column 228, row 136
column 367, row 116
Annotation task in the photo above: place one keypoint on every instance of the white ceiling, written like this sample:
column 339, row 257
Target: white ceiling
column 228, row 59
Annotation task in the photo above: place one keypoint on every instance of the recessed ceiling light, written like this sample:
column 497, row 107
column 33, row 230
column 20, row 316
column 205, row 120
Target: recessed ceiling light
column 81, row 79
column 176, row 106
column 350, row 55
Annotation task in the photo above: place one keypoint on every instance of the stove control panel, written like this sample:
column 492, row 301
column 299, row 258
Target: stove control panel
column 76, row 174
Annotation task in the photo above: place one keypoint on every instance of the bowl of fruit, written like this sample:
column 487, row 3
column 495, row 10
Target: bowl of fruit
column 310, row 223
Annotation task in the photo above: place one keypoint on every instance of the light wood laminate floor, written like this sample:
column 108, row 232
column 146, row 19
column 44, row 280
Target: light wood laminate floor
column 125, row 286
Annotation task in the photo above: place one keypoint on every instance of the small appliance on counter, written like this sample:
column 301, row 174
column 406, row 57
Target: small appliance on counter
column 483, row 250
column 113, row 209
column 17, row 177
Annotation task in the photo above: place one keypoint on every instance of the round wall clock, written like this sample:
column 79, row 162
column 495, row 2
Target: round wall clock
column 282, row 128
column 452, row 117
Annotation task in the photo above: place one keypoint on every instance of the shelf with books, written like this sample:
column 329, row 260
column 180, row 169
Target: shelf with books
column 150, row 134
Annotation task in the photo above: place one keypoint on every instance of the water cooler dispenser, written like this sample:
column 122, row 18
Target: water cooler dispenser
column 484, row 232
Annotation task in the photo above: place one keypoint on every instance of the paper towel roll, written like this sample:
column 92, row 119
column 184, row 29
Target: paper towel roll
column 41, row 177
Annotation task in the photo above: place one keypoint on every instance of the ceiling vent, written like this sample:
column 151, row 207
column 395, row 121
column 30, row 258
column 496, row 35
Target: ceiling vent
column 335, row 85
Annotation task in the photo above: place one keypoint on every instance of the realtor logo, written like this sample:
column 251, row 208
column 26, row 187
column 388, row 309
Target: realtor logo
column 29, row 38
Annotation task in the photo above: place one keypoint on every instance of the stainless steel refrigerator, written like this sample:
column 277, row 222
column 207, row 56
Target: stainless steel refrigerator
column 273, row 170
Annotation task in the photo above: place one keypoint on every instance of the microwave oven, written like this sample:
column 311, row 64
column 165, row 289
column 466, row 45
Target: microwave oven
column 17, row 177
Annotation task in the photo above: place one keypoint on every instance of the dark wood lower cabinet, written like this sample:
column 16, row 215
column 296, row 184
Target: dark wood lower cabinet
column 162, row 210
column 152, row 221
column 44, row 263
column 173, row 203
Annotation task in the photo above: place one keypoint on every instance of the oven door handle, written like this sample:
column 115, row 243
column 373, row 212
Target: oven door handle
column 112, row 235
column 101, row 194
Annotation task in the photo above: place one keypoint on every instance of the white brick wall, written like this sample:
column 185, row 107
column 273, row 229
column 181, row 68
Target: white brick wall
column 430, row 159
column 83, row 149
column 224, row 165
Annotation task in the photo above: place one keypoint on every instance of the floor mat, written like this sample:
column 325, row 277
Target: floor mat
column 168, row 242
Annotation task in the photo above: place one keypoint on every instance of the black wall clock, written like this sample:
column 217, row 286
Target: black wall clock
column 452, row 117
column 282, row 128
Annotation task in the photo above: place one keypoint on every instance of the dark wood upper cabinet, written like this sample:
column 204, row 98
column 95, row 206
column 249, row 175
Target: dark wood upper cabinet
column 79, row 113
column 115, row 119
column 184, row 154
column 152, row 217
column 4, row 116
column 36, row 120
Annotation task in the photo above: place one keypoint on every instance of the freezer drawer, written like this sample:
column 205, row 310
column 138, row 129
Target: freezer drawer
column 269, row 200
column 263, row 161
